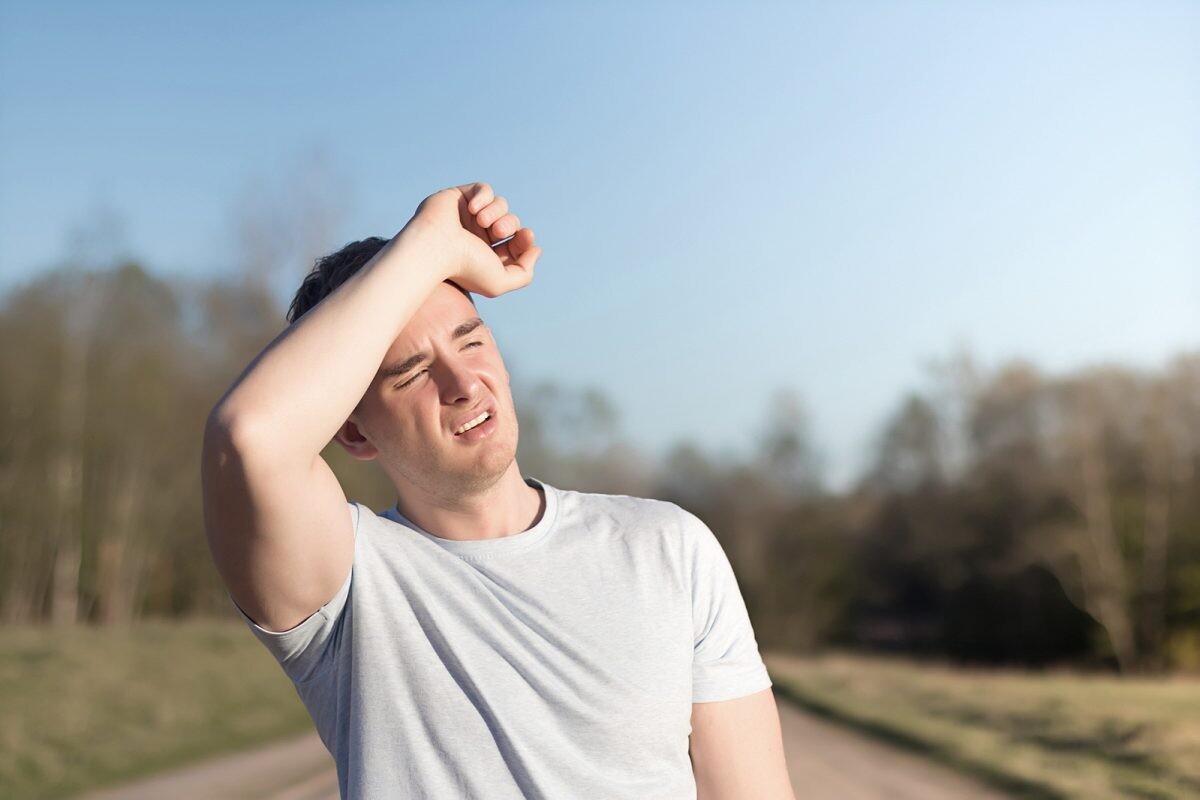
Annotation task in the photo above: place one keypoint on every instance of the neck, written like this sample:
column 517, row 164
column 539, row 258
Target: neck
column 507, row 507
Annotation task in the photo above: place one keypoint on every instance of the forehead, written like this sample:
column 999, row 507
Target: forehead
column 435, row 320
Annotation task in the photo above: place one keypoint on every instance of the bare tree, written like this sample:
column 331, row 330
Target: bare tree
column 282, row 223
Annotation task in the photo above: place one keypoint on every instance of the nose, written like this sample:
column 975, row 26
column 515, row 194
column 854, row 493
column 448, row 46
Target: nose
column 458, row 382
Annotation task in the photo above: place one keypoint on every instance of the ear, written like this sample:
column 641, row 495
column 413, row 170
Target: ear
column 352, row 440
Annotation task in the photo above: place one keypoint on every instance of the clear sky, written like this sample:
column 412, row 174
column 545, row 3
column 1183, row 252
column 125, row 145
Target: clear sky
column 730, row 198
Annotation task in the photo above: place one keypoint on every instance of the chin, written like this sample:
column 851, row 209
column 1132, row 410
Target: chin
column 489, row 467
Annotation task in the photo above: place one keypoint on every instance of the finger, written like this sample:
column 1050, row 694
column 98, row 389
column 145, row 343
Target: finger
column 511, row 251
column 478, row 196
column 519, row 273
column 492, row 212
column 527, row 260
column 505, row 226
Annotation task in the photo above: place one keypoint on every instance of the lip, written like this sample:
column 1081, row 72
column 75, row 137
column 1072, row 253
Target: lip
column 491, row 411
column 481, row 431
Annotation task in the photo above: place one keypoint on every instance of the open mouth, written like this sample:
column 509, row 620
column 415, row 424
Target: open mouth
column 474, row 423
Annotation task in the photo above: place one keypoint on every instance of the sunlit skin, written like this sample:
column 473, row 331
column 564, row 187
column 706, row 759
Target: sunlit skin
column 450, row 486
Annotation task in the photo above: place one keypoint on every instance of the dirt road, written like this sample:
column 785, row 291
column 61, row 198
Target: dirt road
column 829, row 762
column 825, row 760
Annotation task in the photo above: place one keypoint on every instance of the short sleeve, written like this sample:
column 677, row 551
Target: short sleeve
column 301, row 650
column 726, row 663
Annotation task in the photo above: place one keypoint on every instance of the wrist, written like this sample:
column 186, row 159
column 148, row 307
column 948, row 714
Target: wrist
column 419, row 247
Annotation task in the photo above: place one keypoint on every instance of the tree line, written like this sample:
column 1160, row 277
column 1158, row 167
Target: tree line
column 1007, row 515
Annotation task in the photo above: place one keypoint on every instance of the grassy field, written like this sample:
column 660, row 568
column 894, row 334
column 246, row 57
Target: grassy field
column 82, row 708
column 1037, row 735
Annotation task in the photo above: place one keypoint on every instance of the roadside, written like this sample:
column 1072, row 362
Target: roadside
column 828, row 761
column 1036, row 734
column 299, row 768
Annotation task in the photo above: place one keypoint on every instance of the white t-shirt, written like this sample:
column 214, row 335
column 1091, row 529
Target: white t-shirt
column 559, row 662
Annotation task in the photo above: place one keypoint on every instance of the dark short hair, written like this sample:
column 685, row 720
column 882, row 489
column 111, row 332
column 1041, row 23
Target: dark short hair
column 331, row 271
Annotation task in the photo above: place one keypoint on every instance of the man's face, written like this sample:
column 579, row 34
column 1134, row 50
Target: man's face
column 410, row 416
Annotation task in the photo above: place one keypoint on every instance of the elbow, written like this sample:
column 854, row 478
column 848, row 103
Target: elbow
column 219, row 446
column 228, row 432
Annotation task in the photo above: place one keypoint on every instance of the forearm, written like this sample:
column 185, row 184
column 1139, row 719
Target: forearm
column 305, row 383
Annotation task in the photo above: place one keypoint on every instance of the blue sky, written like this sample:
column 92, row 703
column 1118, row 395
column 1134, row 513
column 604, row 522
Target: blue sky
column 730, row 199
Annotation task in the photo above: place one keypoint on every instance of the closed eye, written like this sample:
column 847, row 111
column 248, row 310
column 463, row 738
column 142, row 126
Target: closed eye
column 422, row 372
column 410, row 380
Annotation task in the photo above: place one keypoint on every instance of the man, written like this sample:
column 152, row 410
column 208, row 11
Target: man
column 490, row 636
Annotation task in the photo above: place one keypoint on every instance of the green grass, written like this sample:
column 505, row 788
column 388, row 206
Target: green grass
column 85, row 708
column 1036, row 735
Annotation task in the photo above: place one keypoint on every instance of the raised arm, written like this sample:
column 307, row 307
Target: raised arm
column 275, row 516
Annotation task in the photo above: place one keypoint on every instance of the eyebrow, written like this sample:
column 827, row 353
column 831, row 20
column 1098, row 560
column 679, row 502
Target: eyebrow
column 400, row 367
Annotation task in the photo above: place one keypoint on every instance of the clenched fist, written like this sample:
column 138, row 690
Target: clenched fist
column 458, row 226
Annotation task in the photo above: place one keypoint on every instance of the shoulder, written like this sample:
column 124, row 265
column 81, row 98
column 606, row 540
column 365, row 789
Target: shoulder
column 642, row 514
column 624, row 507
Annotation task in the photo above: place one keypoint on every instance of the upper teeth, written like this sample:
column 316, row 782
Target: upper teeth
column 472, row 423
